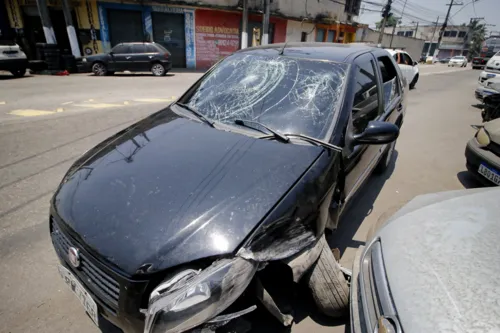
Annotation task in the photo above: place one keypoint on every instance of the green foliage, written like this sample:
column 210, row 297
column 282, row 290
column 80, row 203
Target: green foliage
column 391, row 22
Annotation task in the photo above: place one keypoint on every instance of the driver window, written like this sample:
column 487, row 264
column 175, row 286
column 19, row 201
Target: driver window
column 365, row 105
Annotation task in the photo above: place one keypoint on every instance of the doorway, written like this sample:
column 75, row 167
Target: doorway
column 168, row 30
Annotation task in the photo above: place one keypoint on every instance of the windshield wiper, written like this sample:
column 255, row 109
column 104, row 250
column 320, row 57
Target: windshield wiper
column 248, row 123
column 314, row 140
column 196, row 113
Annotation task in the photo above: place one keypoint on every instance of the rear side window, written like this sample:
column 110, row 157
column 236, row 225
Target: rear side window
column 365, row 104
column 123, row 48
column 390, row 79
column 138, row 48
column 151, row 49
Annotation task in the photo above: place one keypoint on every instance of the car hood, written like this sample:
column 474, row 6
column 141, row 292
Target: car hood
column 493, row 129
column 170, row 190
column 440, row 254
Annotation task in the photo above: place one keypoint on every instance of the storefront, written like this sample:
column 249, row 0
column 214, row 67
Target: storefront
column 335, row 33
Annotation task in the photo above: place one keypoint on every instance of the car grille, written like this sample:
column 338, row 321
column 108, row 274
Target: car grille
column 374, row 289
column 103, row 286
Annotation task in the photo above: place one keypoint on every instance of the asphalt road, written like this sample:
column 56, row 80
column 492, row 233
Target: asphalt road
column 47, row 122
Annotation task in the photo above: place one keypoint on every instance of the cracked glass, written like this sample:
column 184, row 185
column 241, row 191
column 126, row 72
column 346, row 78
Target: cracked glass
column 290, row 95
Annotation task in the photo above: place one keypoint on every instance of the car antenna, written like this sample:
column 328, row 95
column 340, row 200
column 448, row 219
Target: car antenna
column 283, row 49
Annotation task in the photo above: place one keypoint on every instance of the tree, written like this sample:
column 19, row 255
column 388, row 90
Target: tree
column 391, row 22
column 477, row 36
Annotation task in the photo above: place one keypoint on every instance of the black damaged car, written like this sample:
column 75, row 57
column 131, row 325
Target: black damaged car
column 218, row 203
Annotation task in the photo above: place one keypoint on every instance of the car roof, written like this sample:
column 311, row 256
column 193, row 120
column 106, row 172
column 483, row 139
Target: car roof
column 315, row 50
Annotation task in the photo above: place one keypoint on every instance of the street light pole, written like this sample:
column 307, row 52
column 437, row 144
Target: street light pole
column 265, row 24
column 244, row 26
column 432, row 38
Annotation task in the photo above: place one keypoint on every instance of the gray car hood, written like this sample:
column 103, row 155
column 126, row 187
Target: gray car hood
column 493, row 129
column 441, row 257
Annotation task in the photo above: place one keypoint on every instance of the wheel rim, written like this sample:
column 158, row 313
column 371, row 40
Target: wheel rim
column 157, row 69
column 99, row 69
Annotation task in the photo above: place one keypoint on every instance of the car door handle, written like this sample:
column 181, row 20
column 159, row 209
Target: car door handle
column 400, row 107
column 128, row 58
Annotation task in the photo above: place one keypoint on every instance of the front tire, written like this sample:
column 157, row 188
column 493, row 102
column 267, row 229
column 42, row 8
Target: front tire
column 414, row 82
column 99, row 69
column 158, row 69
column 328, row 285
column 19, row 72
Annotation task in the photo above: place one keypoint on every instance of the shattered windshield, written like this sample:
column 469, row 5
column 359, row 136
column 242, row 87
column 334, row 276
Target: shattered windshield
column 287, row 94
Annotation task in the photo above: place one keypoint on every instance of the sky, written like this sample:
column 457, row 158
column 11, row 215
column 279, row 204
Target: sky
column 427, row 11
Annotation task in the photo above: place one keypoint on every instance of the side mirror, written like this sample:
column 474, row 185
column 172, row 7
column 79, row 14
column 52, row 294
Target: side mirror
column 415, row 63
column 111, row 53
column 377, row 133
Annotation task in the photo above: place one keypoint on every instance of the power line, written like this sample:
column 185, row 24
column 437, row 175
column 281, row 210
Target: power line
column 471, row 2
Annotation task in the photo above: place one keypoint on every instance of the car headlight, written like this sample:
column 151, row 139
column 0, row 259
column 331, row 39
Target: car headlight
column 482, row 137
column 191, row 298
column 84, row 59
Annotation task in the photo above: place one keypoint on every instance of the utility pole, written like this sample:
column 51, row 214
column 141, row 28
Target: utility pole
column 445, row 23
column 265, row 24
column 73, row 40
column 394, row 30
column 244, row 26
column 386, row 13
column 432, row 38
column 416, row 29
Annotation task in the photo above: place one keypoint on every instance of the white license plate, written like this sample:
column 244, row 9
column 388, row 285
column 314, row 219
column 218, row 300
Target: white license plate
column 87, row 301
column 489, row 174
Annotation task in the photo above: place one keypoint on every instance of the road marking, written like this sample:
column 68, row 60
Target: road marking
column 98, row 105
column 2, row 103
column 153, row 100
column 30, row 113
column 66, row 103
column 59, row 110
column 126, row 103
column 90, row 100
column 444, row 72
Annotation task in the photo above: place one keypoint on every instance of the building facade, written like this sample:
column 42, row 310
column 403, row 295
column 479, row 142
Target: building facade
column 197, row 33
column 454, row 40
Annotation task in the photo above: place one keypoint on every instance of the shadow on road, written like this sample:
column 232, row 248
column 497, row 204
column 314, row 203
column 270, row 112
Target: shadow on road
column 8, row 76
column 469, row 180
column 360, row 207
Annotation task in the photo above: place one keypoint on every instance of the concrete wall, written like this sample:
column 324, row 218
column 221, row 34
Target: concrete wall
column 412, row 45
column 294, row 31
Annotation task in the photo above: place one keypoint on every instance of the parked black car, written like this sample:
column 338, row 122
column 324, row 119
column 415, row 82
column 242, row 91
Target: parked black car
column 164, row 226
column 138, row 57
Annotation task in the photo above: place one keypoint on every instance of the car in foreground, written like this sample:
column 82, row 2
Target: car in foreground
column 12, row 58
column 458, row 61
column 408, row 66
column 493, row 64
column 164, row 226
column 135, row 57
column 483, row 153
column 431, row 267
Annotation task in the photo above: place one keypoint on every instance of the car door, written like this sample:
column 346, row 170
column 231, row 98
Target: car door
column 121, row 58
column 409, row 64
column 140, row 57
column 359, row 160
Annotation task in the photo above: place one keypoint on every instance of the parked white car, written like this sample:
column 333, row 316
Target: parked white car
column 458, row 61
column 408, row 66
column 488, row 84
column 493, row 65
column 12, row 58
